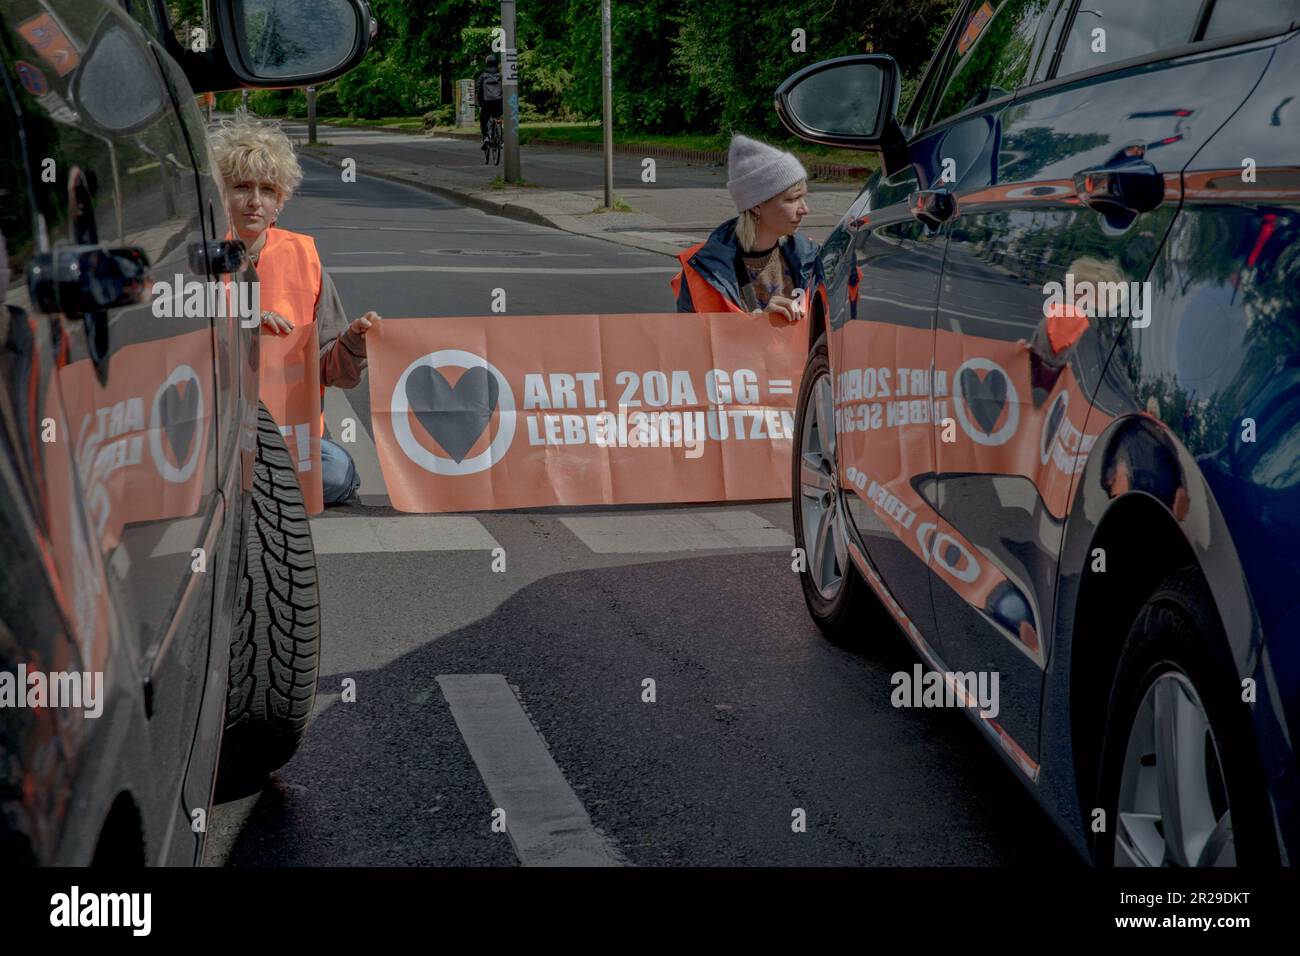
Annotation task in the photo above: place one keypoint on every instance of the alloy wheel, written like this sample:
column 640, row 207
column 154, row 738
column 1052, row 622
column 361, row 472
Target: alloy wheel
column 1173, row 805
column 819, row 493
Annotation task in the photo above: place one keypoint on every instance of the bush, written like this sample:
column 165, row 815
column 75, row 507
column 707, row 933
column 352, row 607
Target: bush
column 270, row 102
column 327, row 101
column 530, row 114
column 229, row 101
column 443, row 115
column 379, row 88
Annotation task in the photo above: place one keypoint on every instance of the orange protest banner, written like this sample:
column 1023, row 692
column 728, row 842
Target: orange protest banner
column 289, row 379
column 140, row 441
column 961, row 405
column 490, row 412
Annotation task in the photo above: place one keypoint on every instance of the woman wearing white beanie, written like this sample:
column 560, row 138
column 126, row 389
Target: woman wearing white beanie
column 755, row 262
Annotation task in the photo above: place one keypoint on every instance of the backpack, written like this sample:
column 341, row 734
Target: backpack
column 491, row 87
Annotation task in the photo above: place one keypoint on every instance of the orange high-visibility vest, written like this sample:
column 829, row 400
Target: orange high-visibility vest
column 290, row 273
column 704, row 297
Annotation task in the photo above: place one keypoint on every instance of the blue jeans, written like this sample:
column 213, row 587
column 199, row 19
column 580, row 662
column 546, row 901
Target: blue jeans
column 338, row 474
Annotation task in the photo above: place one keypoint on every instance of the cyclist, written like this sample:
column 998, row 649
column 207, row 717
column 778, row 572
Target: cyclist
column 487, row 91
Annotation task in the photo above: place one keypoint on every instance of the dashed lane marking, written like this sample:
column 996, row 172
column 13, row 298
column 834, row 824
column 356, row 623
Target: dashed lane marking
column 362, row 535
column 546, row 822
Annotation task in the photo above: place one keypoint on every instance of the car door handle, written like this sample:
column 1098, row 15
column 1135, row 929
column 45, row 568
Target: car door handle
column 932, row 206
column 1126, row 190
column 77, row 280
column 217, row 257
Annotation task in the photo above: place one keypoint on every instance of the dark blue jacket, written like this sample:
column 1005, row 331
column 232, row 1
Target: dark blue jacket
column 714, row 261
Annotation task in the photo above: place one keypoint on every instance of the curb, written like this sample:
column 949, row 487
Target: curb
column 705, row 157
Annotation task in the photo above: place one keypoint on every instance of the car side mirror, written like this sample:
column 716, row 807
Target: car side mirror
column 288, row 41
column 279, row 43
column 849, row 102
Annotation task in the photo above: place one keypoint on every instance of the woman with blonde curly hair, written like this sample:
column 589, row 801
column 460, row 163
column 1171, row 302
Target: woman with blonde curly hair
column 260, row 173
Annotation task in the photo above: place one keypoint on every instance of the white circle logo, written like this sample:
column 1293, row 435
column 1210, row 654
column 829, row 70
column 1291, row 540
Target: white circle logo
column 458, row 427
column 181, row 424
column 986, row 399
column 936, row 544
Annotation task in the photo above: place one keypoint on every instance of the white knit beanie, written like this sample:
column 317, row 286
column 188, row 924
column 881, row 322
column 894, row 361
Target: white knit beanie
column 756, row 172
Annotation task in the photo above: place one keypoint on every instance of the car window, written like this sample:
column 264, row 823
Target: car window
column 1107, row 31
column 189, row 23
column 17, row 240
column 993, row 54
column 1230, row 17
column 1047, row 53
column 141, row 11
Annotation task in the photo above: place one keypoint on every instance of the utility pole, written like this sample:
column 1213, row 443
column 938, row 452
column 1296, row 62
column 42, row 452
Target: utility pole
column 510, row 91
column 607, row 95
column 311, row 116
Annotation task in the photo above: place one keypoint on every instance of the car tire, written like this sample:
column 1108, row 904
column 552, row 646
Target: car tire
column 838, row 599
column 275, row 651
column 1175, row 692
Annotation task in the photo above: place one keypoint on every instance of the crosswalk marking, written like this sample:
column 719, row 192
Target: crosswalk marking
column 362, row 535
column 372, row 490
column 546, row 822
column 659, row 533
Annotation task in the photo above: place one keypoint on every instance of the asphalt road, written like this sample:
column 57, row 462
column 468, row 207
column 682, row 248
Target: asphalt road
column 755, row 715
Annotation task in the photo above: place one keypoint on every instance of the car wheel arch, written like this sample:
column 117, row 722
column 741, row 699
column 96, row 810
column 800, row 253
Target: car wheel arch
column 1101, row 607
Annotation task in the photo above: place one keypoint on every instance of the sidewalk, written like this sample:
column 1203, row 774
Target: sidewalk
column 565, row 186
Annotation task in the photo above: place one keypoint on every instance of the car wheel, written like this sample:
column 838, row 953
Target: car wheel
column 1181, row 781
column 275, row 652
column 836, row 595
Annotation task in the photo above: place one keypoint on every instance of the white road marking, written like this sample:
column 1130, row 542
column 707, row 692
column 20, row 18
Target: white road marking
column 658, row 533
column 362, row 535
column 674, row 238
column 372, row 490
column 546, row 822
column 510, row 270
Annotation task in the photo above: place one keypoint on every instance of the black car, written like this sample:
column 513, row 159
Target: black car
column 1051, row 413
column 159, row 582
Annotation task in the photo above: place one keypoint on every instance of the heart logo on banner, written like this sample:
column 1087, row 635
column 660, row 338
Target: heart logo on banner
column 985, row 396
column 454, row 417
column 179, row 408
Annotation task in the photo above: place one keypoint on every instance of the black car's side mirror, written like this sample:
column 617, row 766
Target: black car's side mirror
column 849, row 102
column 278, row 43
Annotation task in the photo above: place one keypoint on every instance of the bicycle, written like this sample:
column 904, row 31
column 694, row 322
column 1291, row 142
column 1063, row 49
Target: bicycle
column 495, row 140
